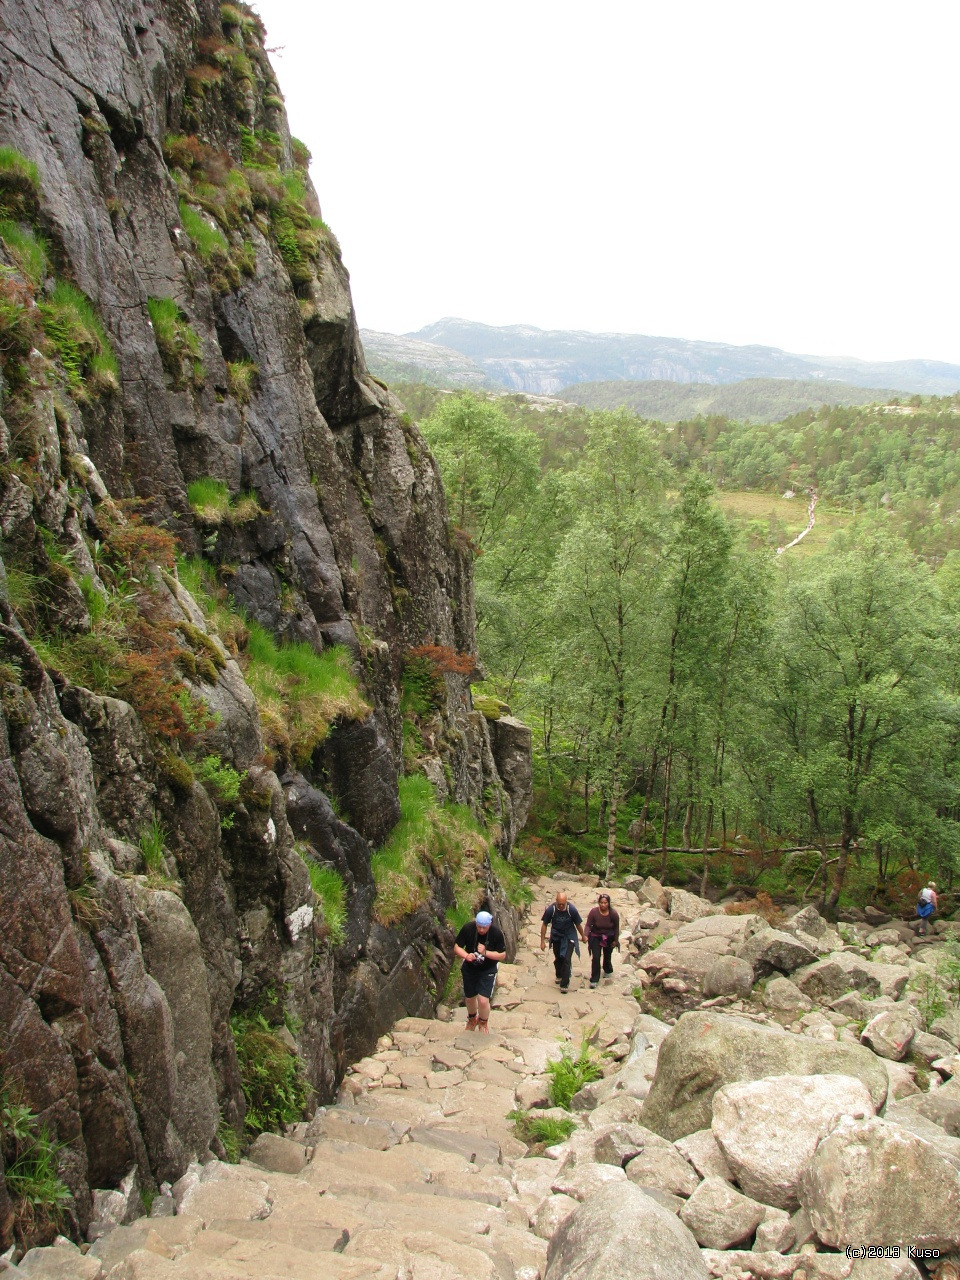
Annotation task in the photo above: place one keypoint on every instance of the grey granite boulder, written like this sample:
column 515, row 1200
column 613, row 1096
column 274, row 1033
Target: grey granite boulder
column 708, row 1050
column 619, row 1231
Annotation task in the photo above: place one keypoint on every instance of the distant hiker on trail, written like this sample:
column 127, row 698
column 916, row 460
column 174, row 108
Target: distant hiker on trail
column 565, row 923
column 927, row 906
column 603, row 934
column 481, row 946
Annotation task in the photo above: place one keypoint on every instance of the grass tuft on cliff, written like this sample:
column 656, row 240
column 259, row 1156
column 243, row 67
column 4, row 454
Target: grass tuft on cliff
column 213, row 504
column 27, row 249
column 327, row 884
column 300, row 692
column 19, row 184
column 80, row 340
column 31, row 1171
column 429, row 838
column 271, row 1075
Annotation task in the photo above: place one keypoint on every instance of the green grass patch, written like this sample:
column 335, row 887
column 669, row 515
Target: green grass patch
column 271, row 1075
column 539, row 1132
column 331, row 893
column 221, row 780
column 300, row 692
column 213, row 504
column 519, row 894
column 568, row 1074
column 81, row 343
column 429, row 838
column 241, row 379
column 19, row 184
column 458, row 915
column 31, row 1172
column 210, row 499
column 153, row 846
column 208, row 240
column 27, row 249
column 229, row 1141
column 175, row 338
column 398, row 868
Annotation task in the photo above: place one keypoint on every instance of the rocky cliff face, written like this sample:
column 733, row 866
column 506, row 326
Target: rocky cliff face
column 170, row 760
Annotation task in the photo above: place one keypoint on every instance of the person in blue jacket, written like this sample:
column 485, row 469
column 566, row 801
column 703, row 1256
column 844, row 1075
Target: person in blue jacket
column 927, row 906
column 565, row 924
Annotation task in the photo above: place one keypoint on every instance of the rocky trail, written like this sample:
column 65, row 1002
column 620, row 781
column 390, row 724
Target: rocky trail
column 755, row 1129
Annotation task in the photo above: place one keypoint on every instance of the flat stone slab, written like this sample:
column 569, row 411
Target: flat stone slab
column 476, row 1149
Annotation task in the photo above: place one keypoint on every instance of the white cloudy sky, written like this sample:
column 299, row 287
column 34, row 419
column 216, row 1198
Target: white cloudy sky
column 740, row 170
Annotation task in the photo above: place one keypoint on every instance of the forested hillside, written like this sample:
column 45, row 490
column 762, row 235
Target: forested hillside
column 786, row 721
column 750, row 400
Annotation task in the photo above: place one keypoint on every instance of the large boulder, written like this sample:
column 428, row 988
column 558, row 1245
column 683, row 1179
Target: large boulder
column 728, row 976
column 948, row 1027
column 809, row 920
column 783, row 996
column 771, row 949
column 662, row 1166
column 768, row 1130
column 719, row 1216
column 871, row 1180
column 843, row 971
column 703, row 1152
column 619, row 1231
column 687, row 906
column 707, row 1050
column 652, row 891
column 889, row 1034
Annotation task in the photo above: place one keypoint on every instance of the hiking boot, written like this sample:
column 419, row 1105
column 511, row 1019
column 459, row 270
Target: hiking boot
column 564, row 990
column 483, row 1025
column 472, row 1022
column 594, row 985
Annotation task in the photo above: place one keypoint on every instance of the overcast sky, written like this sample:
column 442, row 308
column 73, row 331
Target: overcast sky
column 769, row 171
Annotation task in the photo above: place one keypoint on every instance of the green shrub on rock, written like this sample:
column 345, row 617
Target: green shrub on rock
column 271, row 1075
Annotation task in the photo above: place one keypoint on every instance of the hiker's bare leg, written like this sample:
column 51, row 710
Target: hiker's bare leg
column 471, row 1003
column 483, row 1012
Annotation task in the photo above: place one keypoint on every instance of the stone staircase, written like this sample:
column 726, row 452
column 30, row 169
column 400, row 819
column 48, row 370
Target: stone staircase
column 415, row 1175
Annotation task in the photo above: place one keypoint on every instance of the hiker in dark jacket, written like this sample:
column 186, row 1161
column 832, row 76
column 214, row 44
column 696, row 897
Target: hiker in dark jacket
column 565, row 923
column 603, row 934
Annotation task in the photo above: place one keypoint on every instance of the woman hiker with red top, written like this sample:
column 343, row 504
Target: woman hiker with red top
column 603, row 934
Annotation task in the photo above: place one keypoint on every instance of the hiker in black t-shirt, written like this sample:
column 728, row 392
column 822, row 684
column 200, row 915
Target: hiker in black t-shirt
column 565, row 923
column 480, row 945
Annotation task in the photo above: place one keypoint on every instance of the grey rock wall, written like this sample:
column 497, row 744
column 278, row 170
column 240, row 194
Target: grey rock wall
column 116, row 989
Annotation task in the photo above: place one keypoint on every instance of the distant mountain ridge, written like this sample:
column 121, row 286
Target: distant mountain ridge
column 543, row 361
column 404, row 359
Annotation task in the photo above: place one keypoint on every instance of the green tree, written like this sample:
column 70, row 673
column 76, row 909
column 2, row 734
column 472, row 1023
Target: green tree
column 603, row 586
column 490, row 466
column 856, row 694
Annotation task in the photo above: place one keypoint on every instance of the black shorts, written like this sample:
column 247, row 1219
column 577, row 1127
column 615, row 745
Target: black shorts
column 479, row 981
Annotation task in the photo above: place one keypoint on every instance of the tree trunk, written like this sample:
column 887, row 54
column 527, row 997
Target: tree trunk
column 666, row 814
column 840, row 870
column 611, row 833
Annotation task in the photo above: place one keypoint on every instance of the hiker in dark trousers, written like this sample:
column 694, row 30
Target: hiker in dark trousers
column 480, row 945
column 603, row 934
column 565, row 923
